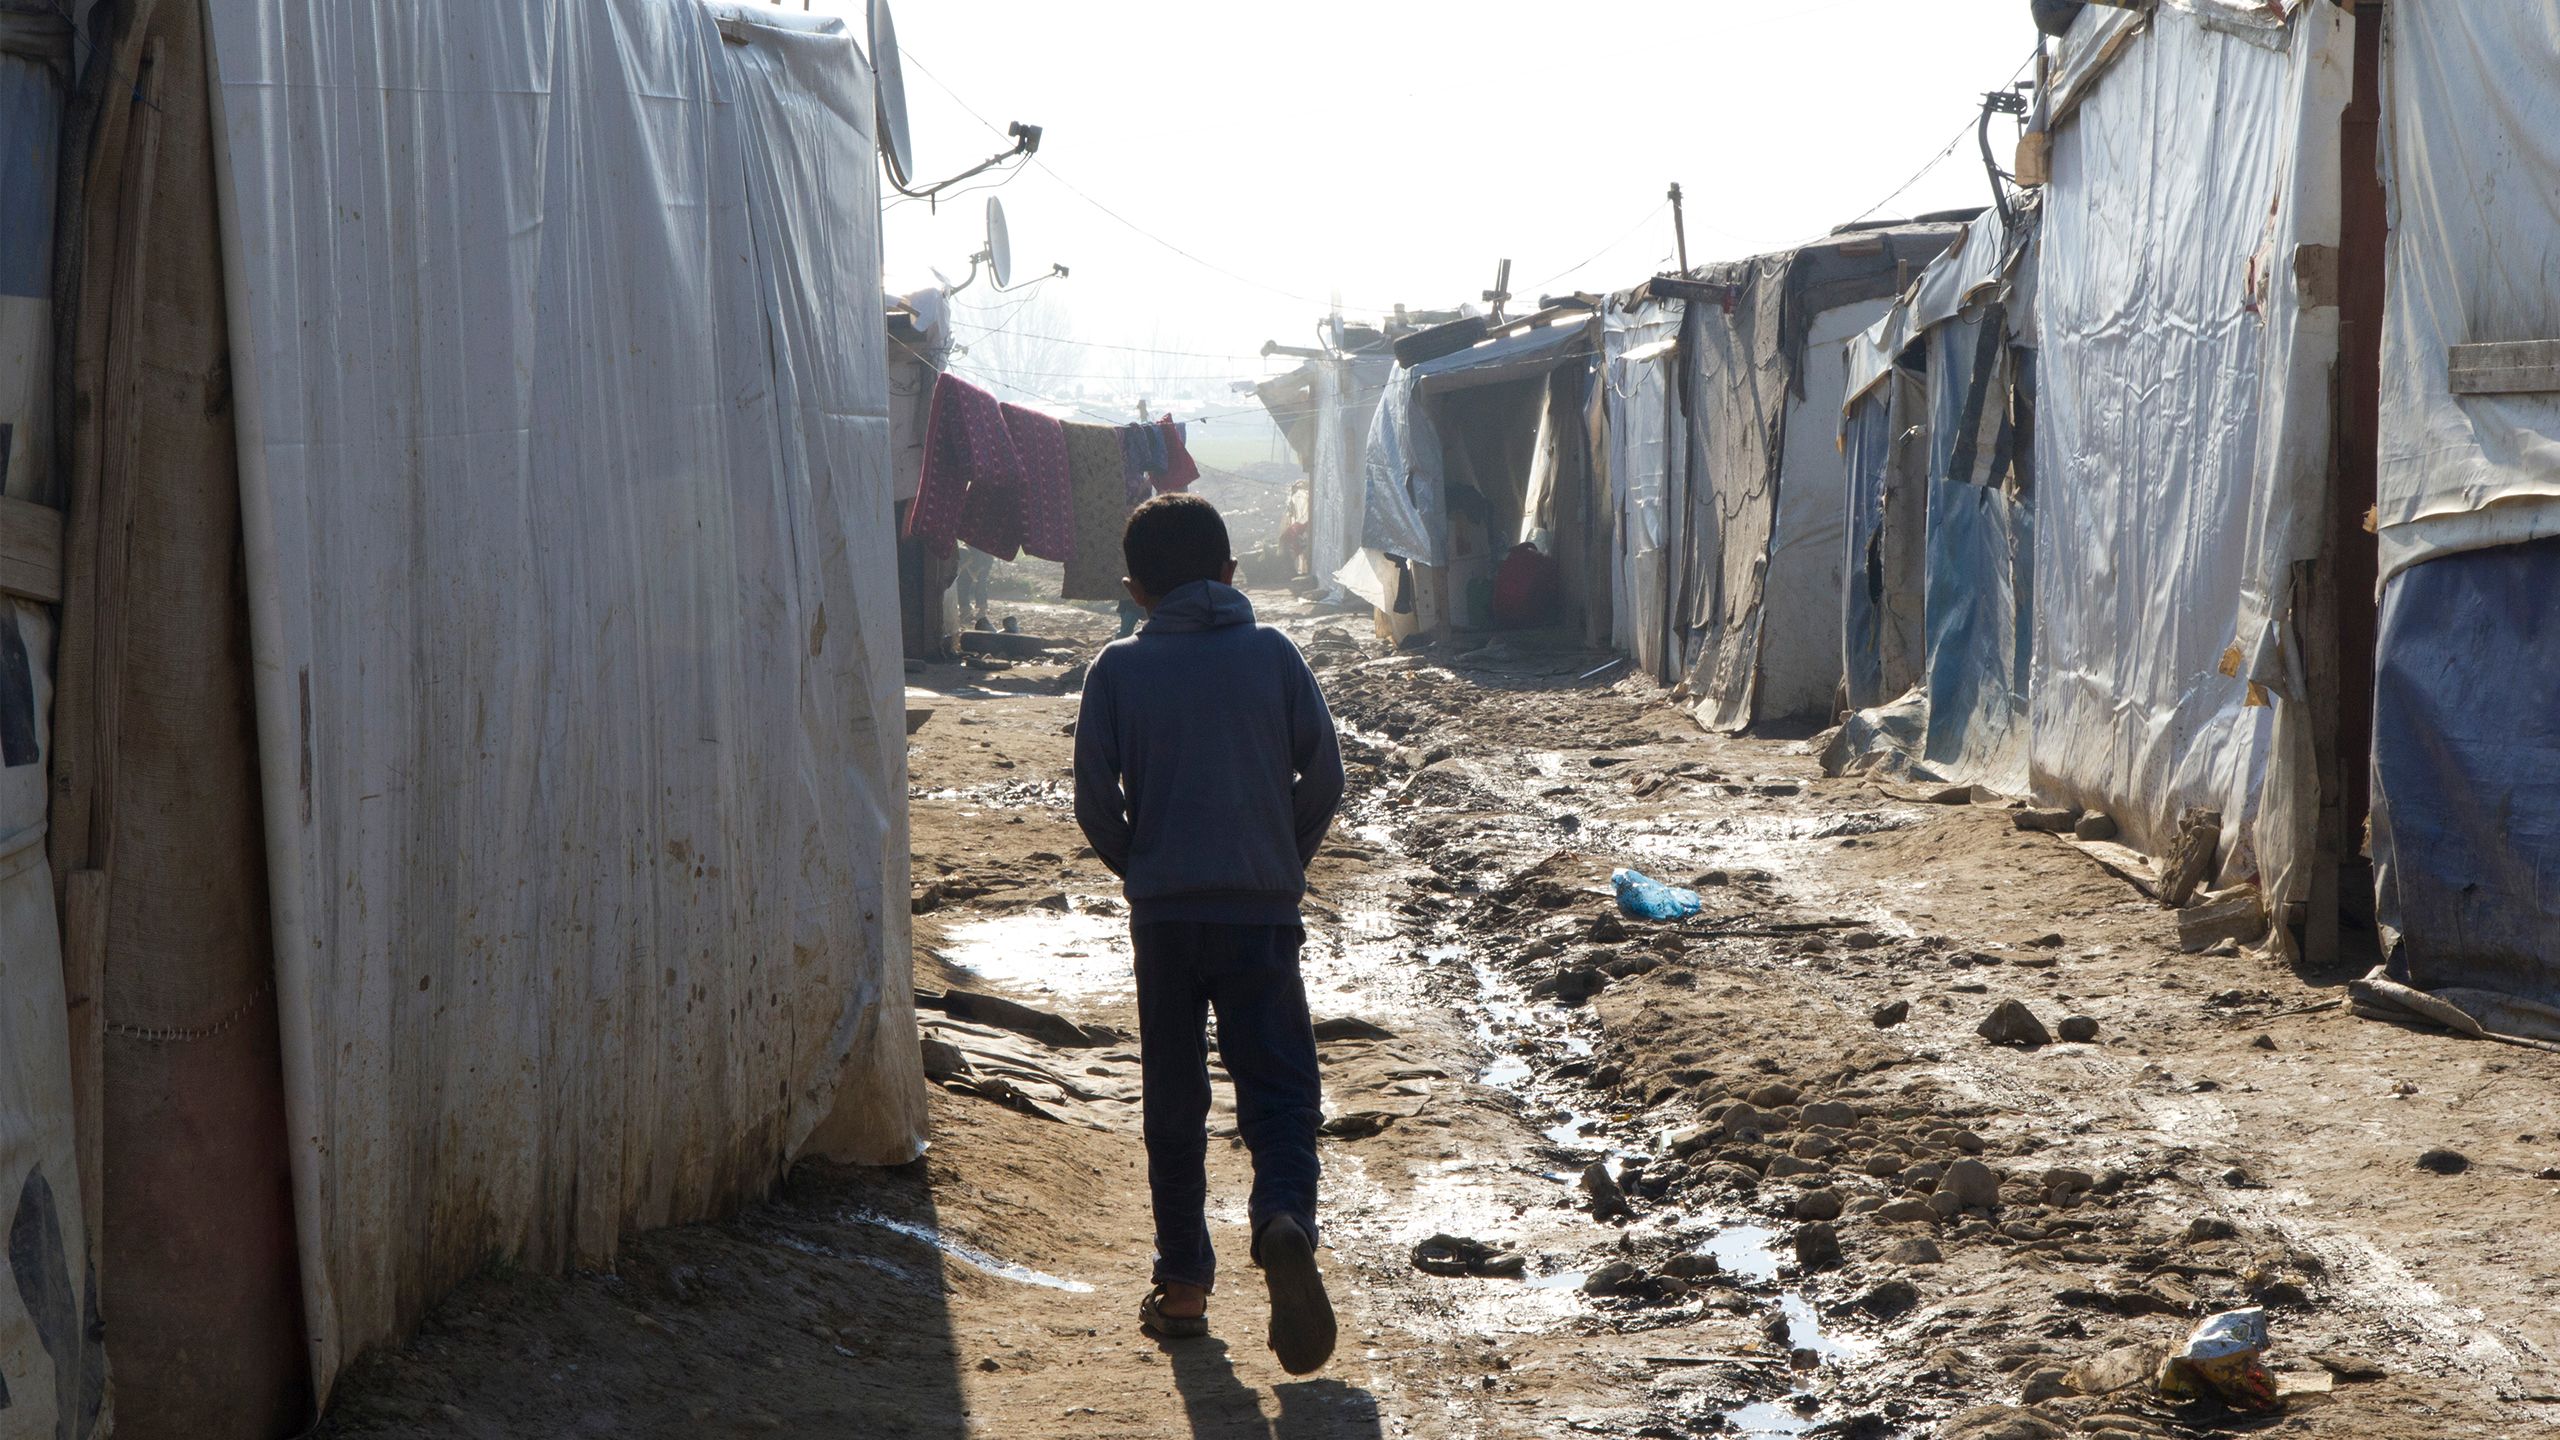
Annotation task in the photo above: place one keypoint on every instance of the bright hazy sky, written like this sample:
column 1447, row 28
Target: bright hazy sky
column 1394, row 150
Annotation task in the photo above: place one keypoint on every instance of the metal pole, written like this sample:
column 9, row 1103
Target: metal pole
column 1679, row 227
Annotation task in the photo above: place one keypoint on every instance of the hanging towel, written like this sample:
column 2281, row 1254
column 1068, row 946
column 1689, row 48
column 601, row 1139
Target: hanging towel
column 967, row 450
column 1047, row 510
column 1178, row 471
column 1096, row 479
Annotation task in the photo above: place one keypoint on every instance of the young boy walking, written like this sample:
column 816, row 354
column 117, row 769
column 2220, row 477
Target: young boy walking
column 1206, row 773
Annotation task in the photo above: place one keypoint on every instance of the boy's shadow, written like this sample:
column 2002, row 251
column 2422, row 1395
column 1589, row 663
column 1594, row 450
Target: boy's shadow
column 1223, row 1407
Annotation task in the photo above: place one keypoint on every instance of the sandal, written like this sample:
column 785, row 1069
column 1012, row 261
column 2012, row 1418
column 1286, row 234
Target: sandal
column 1151, row 1316
column 1302, row 1324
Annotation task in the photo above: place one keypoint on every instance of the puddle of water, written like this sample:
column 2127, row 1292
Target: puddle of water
column 1805, row 1332
column 1774, row 1417
column 976, row 1259
column 1073, row 954
column 1563, row 1280
column 1749, row 1251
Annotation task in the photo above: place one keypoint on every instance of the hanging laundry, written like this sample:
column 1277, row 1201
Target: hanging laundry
column 1096, row 480
column 1145, row 460
column 1178, row 471
column 1044, row 506
column 968, row 457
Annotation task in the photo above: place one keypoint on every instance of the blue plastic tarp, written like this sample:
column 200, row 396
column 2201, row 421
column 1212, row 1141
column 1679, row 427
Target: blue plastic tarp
column 1981, row 583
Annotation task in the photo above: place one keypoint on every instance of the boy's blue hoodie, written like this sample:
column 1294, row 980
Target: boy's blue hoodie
column 1206, row 764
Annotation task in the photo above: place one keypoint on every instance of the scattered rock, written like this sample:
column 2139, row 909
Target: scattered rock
column 2112, row 1370
column 1884, row 1163
column 1692, row 1265
column 2078, row 1029
column 2068, row 1180
column 1711, row 879
column 1618, row 1277
column 943, row 1060
column 1814, row 1147
column 1608, row 1202
column 1831, row 1113
column 1907, row 1211
column 1997, row 1422
column 2049, row 822
column 2050, row 1382
column 1817, row 1245
column 1607, row 929
column 1818, row 1205
column 1890, row 1298
column 1351, row 1027
column 1785, row 1167
column 1359, row 1124
column 2444, row 1162
column 2049, row 940
column 2348, row 1367
column 2094, row 826
column 1746, row 1120
column 1890, row 1014
column 2281, row 1293
column 1862, row 939
column 1973, row 1185
column 2012, row 1023
column 1774, row 1096
column 1685, row 1143
column 2210, row 1227
column 1918, row 1250
column 1059, row 903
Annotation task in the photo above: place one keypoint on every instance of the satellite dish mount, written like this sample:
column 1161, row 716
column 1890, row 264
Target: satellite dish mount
column 897, row 152
column 996, row 256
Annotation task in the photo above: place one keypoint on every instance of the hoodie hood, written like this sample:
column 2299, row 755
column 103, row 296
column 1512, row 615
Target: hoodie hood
column 1200, row 605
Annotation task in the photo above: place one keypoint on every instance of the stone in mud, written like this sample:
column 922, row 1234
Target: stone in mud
column 1923, row 1177
column 1907, row 1211
column 1972, row 1184
column 1351, row 1027
column 2210, row 1227
column 1884, row 1163
column 1787, row 1167
column 1607, row 929
column 2094, row 826
column 2050, row 1382
column 2068, row 1180
column 1608, row 1202
column 2012, row 1023
column 1691, row 1265
column 1618, row 1277
column 1890, row 1298
column 2049, row 822
column 1685, row 1143
column 1744, row 1119
column 1890, row 1014
column 1774, row 1095
column 1831, row 1113
column 2444, row 1162
column 1997, row 1422
column 1817, row 1245
column 1818, row 1205
column 2078, row 1029
column 1918, row 1250
column 1540, row 950
column 1723, row 1176
column 1622, row 966
column 1861, row 939
column 1711, row 879
column 1943, row 1205
column 1814, row 1147
column 1755, row 1161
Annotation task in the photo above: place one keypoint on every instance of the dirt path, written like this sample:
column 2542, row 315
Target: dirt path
column 1502, row 1033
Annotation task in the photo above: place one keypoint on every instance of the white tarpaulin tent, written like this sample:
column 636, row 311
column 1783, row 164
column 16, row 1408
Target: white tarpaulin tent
column 2182, row 422
column 563, row 449
column 1645, row 442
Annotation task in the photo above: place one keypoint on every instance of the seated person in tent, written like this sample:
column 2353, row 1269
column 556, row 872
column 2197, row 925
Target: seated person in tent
column 1207, row 772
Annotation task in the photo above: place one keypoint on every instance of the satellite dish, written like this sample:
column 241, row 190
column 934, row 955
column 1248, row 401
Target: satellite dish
column 999, row 244
column 889, row 92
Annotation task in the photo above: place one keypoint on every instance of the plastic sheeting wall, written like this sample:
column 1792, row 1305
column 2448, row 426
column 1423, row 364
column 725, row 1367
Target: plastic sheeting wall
column 1800, row 663
column 52, row 1381
column 2181, row 434
column 1346, row 403
column 1646, row 448
column 1980, row 595
column 1884, row 628
column 564, row 470
column 1737, row 403
column 2467, row 712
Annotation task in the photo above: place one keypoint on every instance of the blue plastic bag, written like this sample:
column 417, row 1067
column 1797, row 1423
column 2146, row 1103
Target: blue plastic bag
column 1646, row 898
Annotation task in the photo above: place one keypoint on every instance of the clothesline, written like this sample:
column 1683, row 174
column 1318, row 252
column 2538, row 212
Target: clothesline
column 1010, row 480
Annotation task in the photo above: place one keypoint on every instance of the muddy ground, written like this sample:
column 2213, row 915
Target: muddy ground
column 1824, row 1204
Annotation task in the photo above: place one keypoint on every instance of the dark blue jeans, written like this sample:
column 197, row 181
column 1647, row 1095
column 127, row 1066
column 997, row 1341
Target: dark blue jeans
column 1248, row 974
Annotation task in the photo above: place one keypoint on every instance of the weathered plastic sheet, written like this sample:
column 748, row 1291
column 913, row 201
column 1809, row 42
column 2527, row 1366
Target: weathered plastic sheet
column 2170, row 457
column 1346, row 396
column 1402, row 505
column 1800, row 661
column 1738, row 394
column 2466, row 762
column 2471, row 141
column 572, row 581
column 1884, row 627
column 1646, row 448
column 1980, row 591
column 2466, row 770
column 52, row 1376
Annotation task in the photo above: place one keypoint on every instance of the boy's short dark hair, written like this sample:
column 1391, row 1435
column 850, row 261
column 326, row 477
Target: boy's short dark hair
column 1173, row 540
